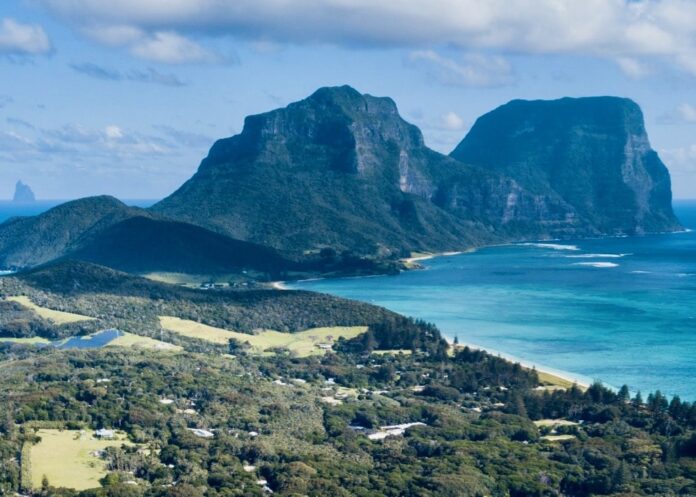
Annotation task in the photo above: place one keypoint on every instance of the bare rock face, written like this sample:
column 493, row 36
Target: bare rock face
column 23, row 194
column 593, row 153
column 344, row 170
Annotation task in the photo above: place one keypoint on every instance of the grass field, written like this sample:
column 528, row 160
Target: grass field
column 555, row 422
column 141, row 342
column 28, row 341
column 558, row 438
column 66, row 458
column 57, row 317
column 556, row 381
column 302, row 344
column 393, row 352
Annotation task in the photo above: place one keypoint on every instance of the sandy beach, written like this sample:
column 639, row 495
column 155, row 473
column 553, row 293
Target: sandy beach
column 546, row 375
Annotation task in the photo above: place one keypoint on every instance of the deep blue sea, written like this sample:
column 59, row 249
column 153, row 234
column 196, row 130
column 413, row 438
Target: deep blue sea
column 619, row 310
column 10, row 209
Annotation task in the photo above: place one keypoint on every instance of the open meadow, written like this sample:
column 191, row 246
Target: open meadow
column 69, row 458
column 56, row 317
column 302, row 344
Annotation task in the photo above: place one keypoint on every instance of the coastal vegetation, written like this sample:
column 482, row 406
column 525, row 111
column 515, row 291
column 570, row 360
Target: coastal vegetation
column 470, row 416
column 392, row 410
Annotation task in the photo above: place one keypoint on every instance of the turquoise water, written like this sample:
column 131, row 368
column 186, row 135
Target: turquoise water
column 621, row 310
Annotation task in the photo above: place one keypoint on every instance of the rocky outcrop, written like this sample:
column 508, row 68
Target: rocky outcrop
column 592, row 153
column 23, row 194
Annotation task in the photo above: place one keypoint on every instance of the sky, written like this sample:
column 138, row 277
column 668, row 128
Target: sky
column 125, row 97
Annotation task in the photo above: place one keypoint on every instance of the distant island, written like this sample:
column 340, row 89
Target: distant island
column 23, row 194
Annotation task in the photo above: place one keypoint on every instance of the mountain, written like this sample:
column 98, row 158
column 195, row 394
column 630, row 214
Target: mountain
column 141, row 244
column 320, row 184
column 345, row 171
column 23, row 194
column 105, row 231
column 29, row 241
column 593, row 153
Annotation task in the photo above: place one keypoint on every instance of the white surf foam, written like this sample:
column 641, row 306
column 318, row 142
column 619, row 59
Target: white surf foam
column 552, row 246
column 596, row 256
column 596, row 264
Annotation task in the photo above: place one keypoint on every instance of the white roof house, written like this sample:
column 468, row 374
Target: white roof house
column 201, row 433
column 104, row 433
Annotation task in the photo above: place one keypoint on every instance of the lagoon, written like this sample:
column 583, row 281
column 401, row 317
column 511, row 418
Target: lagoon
column 619, row 310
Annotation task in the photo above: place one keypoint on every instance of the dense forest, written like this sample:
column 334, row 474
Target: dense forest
column 477, row 435
column 395, row 411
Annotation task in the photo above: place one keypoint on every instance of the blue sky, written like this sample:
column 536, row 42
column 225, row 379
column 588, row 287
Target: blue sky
column 125, row 97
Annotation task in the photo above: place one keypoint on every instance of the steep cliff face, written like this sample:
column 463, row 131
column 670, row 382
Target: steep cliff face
column 344, row 170
column 593, row 153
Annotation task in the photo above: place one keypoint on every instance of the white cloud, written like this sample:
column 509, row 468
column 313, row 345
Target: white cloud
column 23, row 39
column 632, row 68
column 614, row 29
column 687, row 112
column 451, row 122
column 171, row 48
column 114, row 35
column 683, row 113
column 472, row 70
column 113, row 132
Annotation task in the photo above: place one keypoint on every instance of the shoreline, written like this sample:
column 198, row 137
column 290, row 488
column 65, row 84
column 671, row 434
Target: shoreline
column 547, row 374
column 554, row 376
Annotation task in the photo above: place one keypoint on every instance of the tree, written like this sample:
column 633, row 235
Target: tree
column 621, row 476
column 518, row 406
column 624, row 394
column 45, row 486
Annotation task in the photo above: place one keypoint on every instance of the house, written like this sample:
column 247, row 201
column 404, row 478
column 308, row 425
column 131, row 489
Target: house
column 105, row 434
column 392, row 430
column 201, row 433
column 325, row 346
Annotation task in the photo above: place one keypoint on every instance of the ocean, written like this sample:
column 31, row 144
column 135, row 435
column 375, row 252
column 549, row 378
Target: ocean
column 10, row 209
column 618, row 310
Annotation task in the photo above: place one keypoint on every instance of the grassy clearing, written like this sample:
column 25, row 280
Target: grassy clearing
column 140, row 342
column 27, row 341
column 558, row 438
column 555, row 422
column 393, row 352
column 57, row 317
column 552, row 380
column 66, row 458
column 187, row 279
column 302, row 344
